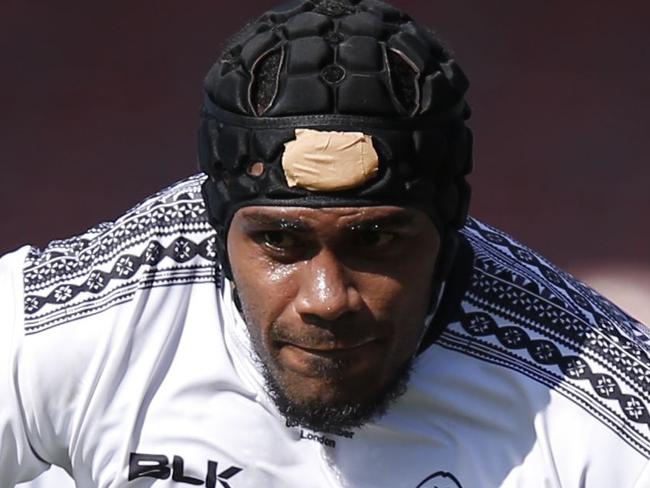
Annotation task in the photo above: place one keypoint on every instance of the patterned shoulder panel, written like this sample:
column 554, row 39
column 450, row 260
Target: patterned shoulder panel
column 525, row 314
column 165, row 240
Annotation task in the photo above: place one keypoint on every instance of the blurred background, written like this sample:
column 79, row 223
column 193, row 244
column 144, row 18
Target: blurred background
column 100, row 101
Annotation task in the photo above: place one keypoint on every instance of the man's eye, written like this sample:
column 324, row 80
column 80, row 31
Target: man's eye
column 374, row 239
column 278, row 239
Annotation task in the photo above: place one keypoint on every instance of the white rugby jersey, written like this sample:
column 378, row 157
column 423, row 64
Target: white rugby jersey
column 124, row 360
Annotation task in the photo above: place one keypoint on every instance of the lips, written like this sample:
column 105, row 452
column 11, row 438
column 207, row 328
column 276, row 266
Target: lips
column 337, row 346
column 333, row 361
column 323, row 337
column 343, row 351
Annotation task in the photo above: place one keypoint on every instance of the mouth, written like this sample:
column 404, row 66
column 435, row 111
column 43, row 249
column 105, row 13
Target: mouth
column 351, row 358
column 334, row 347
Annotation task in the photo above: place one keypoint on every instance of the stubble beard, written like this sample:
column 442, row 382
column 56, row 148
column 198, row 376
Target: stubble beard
column 340, row 416
column 333, row 418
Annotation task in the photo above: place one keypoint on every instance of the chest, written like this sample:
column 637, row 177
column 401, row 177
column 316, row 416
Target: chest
column 202, row 433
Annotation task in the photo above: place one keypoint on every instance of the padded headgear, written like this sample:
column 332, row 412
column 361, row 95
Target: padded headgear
column 336, row 65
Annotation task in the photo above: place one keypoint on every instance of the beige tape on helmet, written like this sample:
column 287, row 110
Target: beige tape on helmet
column 329, row 161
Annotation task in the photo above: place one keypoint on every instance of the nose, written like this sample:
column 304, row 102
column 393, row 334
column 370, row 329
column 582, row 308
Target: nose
column 327, row 290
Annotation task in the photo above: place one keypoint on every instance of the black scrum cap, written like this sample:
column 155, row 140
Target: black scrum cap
column 336, row 65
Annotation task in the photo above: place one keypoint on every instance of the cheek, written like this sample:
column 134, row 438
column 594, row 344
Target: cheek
column 404, row 289
column 402, row 303
column 403, row 299
column 265, row 289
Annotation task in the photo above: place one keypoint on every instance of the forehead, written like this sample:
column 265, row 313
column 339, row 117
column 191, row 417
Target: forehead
column 333, row 217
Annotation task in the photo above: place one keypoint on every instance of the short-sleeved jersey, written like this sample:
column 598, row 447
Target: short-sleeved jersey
column 124, row 360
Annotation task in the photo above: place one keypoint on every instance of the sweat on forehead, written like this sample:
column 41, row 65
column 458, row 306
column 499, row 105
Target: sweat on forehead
column 300, row 218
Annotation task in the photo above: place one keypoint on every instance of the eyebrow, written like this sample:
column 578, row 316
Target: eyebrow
column 296, row 225
column 393, row 221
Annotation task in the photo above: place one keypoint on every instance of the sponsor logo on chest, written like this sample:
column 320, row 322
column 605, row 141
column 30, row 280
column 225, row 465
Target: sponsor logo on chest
column 158, row 466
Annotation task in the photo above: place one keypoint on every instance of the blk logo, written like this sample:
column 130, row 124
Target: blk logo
column 157, row 466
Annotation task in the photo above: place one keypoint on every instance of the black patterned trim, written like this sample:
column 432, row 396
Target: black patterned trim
column 522, row 306
column 567, row 331
column 177, row 210
column 546, row 352
column 119, row 295
column 609, row 415
column 163, row 241
column 548, row 281
column 125, row 267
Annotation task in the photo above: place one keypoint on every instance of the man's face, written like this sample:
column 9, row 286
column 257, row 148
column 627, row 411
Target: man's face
column 335, row 301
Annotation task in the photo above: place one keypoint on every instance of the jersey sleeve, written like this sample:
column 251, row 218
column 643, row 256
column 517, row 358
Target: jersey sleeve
column 18, row 459
column 644, row 480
